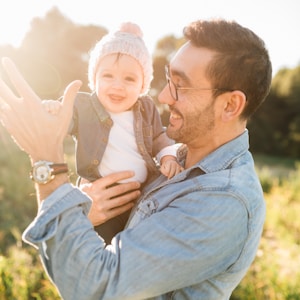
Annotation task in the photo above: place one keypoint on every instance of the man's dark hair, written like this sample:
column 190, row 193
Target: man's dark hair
column 241, row 61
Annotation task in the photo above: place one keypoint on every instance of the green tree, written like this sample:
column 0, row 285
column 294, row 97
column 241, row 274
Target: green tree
column 275, row 128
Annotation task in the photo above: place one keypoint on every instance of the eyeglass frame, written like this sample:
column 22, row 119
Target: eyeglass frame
column 169, row 81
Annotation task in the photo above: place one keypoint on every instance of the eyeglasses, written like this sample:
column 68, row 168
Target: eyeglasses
column 174, row 89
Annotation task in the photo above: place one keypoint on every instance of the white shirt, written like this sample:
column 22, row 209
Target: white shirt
column 121, row 153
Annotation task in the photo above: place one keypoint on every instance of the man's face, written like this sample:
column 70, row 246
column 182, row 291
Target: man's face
column 192, row 116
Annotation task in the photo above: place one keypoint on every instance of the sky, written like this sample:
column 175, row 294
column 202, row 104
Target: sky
column 277, row 22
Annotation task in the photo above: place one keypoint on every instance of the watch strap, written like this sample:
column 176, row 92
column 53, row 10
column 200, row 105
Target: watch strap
column 59, row 168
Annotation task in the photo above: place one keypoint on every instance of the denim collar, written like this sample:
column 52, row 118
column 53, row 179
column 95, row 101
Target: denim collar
column 222, row 157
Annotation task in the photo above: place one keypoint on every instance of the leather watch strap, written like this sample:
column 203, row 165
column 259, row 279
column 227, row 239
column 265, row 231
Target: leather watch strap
column 59, row 168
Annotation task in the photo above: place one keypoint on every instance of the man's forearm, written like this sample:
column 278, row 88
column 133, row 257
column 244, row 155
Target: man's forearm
column 44, row 190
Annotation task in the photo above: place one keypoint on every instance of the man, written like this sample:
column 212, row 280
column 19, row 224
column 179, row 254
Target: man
column 191, row 237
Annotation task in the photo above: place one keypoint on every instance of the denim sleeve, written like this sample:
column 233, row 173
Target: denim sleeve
column 182, row 245
column 45, row 224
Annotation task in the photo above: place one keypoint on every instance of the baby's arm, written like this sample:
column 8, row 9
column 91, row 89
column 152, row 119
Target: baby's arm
column 167, row 159
column 52, row 106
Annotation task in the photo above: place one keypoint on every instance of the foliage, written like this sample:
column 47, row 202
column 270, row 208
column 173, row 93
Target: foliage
column 17, row 201
column 275, row 272
column 275, row 128
column 22, row 277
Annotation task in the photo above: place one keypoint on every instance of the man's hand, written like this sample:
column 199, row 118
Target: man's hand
column 37, row 132
column 110, row 201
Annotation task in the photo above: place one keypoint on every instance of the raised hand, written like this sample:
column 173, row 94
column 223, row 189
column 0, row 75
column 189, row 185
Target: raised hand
column 36, row 132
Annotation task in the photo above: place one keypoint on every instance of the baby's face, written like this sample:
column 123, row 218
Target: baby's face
column 119, row 82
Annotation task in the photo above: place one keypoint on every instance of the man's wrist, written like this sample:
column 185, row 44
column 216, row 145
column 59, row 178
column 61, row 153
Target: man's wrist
column 48, row 176
column 45, row 190
column 166, row 158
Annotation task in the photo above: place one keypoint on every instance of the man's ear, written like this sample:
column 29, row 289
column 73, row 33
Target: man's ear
column 233, row 105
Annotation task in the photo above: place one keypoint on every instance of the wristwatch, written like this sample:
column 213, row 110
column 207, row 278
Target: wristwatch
column 43, row 171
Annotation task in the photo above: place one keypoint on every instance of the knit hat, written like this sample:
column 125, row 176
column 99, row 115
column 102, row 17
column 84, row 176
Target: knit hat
column 128, row 39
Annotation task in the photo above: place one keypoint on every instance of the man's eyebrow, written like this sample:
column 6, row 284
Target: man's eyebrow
column 180, row 74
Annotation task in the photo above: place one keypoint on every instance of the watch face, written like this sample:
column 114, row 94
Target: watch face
column 44, row 171
column 41, row 174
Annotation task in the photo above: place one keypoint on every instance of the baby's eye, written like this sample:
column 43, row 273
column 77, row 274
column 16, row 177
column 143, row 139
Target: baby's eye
column 130, row 79
column 107, row 75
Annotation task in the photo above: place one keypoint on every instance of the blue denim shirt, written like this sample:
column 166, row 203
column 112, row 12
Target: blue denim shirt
column 91, row 126
column 191, row 237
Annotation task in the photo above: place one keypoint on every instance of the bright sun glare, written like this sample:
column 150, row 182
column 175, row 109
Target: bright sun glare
column 16, row 17
column 276, row 22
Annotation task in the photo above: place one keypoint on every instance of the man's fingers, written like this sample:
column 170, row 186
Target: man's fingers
column 113, row 178
column 69, row 96
column 119, row 210
column 18, row 81
column 6, row 95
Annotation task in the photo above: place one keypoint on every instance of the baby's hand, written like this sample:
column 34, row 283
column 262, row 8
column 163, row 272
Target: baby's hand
column 170, row 167
column 52, row 106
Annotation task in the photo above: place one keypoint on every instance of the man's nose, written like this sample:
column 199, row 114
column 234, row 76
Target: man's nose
column 165, row 97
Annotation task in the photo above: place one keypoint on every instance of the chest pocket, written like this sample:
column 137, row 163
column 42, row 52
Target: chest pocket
column 147, row 208
column 144, row 210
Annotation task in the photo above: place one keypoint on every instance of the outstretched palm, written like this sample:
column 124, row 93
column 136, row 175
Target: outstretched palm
column 36, row 131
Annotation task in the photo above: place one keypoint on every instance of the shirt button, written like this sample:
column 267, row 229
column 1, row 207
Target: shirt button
column 95, row 162
column 109, row 122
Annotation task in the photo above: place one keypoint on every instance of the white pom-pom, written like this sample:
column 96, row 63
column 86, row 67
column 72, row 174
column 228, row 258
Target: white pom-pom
column 131, row 28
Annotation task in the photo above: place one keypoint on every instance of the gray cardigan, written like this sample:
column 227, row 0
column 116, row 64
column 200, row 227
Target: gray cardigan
column 90, row 129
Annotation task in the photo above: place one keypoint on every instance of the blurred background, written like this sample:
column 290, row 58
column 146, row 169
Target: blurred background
column 50, row 41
